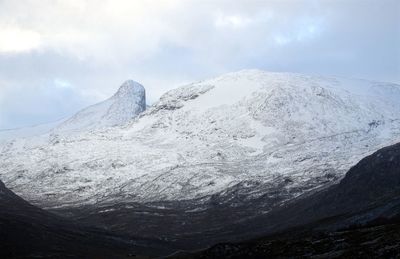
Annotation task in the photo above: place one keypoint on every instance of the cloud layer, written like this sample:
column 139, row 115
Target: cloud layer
column 58, row 56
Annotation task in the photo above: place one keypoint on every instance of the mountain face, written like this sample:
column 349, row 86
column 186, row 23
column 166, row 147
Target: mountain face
column 358, row 217
column 29, row 232
column 127, row 103
column 238, row 145
column 251, row 128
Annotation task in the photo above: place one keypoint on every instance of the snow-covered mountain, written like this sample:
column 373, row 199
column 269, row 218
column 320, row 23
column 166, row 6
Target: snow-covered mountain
column 127, row 103
column 248, row 133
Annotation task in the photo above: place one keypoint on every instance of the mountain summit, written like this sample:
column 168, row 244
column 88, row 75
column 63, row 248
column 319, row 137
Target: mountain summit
column 124, row 105
column 130, row 88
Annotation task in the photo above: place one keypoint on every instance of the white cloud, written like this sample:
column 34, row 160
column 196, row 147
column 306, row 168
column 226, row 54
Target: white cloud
column 305, row 31
column 233, row 21
column 61, row 83
column 14, row 39
column 101, row 30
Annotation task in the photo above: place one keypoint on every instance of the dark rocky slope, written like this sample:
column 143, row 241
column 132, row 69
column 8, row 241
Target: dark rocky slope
column 370, row 190
column 381, row 241
column 356, row 218
column 29, row 232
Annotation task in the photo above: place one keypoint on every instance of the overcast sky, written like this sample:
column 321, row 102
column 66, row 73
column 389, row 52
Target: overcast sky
column 59, row 56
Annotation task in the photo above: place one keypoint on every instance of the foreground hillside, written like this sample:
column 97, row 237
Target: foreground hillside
column 29, row 232
column 357, row 218
column 382, row 241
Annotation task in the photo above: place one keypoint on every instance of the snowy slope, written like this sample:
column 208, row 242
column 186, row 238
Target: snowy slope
column 124, row 105
column 127, row 103
column 251, row 132
column 26, row 132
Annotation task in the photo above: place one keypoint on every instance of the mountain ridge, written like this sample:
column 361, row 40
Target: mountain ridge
column 124, row 105
column 128, row 102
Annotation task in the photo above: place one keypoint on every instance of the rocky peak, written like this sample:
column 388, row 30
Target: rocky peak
column 128, row 102
column 129, row 88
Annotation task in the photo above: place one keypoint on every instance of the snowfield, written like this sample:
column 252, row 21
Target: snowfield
column 250, row 131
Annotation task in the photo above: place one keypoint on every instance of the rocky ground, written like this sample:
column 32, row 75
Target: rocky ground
column 382, row 241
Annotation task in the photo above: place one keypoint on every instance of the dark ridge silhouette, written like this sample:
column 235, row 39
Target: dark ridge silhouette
column 30, row 232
